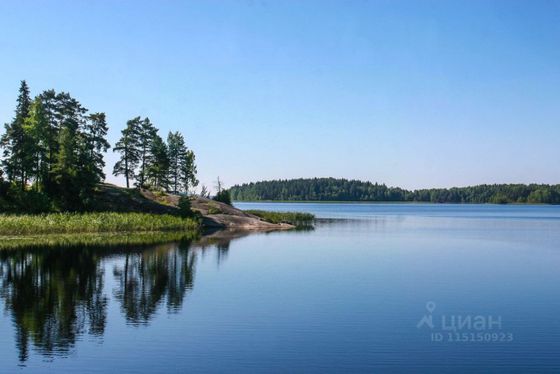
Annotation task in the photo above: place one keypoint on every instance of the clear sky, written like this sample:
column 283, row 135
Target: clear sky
column 408, row 93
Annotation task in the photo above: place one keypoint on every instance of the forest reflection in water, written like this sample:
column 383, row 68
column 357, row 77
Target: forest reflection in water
column 56, row 294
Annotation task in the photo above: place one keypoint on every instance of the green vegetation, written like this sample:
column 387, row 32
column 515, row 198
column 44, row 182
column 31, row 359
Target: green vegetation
column 152, row 162
column 66, row 223
column 222, row 194
column 53, row 150
column 52, row 172
column 184, row 206
column 293, row 218
column 331, row 189
column 105, row 240
column 214, row 208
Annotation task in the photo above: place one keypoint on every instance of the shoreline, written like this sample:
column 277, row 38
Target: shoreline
column 381, row 202
column 209, row 217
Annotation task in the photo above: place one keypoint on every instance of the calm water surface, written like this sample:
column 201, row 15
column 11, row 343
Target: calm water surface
column 373, row 288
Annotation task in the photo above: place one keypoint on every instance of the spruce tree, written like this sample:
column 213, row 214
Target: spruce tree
column 158, row 164
column 36, row 129
column 56, row 145
column 50, row 102
column 14, row 141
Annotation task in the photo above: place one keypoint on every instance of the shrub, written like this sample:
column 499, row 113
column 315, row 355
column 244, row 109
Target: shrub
column 30, row 201
column 223, row 196
column 184, row 206
column 214, row 209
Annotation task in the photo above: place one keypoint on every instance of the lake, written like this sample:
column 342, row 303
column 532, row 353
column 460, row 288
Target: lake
column 372, row 288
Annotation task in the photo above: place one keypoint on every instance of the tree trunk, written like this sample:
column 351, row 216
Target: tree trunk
column 22, row 178
column 126, row 171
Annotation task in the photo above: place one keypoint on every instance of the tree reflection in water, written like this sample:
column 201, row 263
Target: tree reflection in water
column 53, row 295
column 151, row 277
column 56, row 294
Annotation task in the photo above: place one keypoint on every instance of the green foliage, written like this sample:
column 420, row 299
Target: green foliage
column 146, row 135
column 29, row 201
column 152, row 162
column 293, row 218
column 128, row 146
column 158, row 166
column 187, row 171
column 214, row 209
column 56, row 146
column 94, row 144
column 15, row 141
column 319, row 189
column 96, row 239
column 36, row 128
column 184, row 206
column 331, row 189
column 223, row 196
column 14, row 200
column 544, row 195
column 66, row 223
column 182, row 170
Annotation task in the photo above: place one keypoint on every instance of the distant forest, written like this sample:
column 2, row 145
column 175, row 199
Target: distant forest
column 331, row 189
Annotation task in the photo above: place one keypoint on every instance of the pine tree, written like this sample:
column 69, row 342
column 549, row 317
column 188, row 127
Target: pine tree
column 158, row 164
column 146, row 134
column 16, row 164
column 50, row 102
column 56, row 145
column 129, row 148
column 37, row 133
column 187, row 171
column 94, row 145
column 67, row 184
column 177, row 153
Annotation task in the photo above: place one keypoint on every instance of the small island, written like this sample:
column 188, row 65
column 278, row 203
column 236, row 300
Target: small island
column 52, row 179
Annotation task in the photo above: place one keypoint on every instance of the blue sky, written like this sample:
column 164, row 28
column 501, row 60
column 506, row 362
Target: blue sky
column 408, row 93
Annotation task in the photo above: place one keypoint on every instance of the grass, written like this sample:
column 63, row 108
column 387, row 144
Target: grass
column 293, row 218
column 214, row 208
column 72, row 223
column 104, row 240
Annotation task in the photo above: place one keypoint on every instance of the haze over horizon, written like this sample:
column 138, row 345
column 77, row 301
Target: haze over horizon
column 407, row 93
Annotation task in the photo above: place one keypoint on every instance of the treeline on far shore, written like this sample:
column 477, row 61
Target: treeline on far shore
column 331, row 189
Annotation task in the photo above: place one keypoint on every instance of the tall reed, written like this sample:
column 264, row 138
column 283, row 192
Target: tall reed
column 68, row 223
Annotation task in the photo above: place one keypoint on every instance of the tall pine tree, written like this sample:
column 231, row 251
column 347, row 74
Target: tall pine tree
column 36, row 128
column 146, row 135
column 14, row 140
column 93, row 145
column 129, row 148
column 177, row 152
column 158, row 164
column 187, row 171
